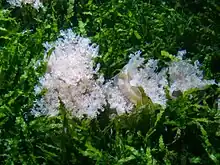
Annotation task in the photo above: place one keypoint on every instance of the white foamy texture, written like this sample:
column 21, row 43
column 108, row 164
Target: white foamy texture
column 182, row 76
column 18, row 3
column 147, row 77
column 116, row 99
column 70, row 77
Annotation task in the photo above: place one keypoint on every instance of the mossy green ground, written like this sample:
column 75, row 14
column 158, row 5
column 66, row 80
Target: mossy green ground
column 186, row 132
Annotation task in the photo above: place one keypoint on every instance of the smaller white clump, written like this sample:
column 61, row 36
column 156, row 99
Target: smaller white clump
column 184, row 76
column 116, row 99
column 145, row 76
column 180, row 75
column 18, row 3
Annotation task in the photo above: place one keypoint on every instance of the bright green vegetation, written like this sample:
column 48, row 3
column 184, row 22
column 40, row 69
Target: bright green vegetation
column 186, row 132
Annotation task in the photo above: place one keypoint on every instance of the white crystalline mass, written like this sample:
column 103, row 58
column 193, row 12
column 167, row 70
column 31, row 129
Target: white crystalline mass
column 70, row 77
column 116, row 99
column 145, row 75
column 182, row 76
column 18, row 3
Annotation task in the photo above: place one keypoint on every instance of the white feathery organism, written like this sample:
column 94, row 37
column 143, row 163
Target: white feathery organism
column 142, row 75
column 124, row 78
column 116, row 98
column 182, row 76
column 70, row 77
column 15, row 2
column 18, row 3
